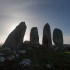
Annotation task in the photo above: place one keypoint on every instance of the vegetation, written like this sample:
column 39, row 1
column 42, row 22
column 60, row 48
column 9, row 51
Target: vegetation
column 40, row 58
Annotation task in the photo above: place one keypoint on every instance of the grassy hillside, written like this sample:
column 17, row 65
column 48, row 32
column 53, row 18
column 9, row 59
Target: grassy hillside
column 41, row 59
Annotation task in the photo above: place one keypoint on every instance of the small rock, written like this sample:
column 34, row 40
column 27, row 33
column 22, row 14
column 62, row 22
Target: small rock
column 25, row 62
column 2, row 59
column 9, row 58
column 12, row 57
column 17, row 55
column 22, row 51
column 48, row 66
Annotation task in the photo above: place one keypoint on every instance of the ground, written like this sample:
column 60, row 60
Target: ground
column 41, row 59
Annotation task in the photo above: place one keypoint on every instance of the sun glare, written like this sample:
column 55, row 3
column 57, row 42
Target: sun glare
column 26, row 38
column 12, row 27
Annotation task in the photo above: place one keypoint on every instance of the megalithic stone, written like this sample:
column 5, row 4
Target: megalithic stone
column 34, row 37
column 15, row 38
column 58, row 38
column 46, row 40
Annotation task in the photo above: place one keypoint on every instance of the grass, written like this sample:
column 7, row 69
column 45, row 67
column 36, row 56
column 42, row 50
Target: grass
column 40, row 57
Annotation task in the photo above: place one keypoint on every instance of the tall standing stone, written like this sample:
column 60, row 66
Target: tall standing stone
column 47, row 36
column 34, row 37
column 15, row 38
column 58, row 38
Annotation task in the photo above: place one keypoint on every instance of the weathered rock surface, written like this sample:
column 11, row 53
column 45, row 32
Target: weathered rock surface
column 47, row 36
column 15, row 38
column 34, row 37
column 25, row 64
column 2, row 59
column 58, row 38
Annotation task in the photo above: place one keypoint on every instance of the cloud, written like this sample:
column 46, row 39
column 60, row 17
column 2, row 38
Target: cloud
column 2, row 39
column 34, row 13
column 66, row 39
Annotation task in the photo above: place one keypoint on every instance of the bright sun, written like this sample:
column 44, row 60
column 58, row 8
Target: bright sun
column 11, row 27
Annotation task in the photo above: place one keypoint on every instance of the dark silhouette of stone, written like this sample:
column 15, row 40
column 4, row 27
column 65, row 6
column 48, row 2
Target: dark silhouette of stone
column 34, row 38
column 15, row 38
column 58, row 38
column 47, row 36
column 27, row 44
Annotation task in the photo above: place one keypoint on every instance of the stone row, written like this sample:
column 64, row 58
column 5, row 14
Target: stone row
column 15, row 38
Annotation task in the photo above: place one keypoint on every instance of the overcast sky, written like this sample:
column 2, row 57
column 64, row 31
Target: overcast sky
column 35, row 13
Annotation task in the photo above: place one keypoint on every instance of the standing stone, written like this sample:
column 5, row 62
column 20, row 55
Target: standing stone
column 58, row 38
column 15, row 38
column 34, row 38
column 47, row 36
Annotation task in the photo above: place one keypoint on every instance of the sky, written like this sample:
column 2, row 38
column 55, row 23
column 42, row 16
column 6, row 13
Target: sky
column 35, row 13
